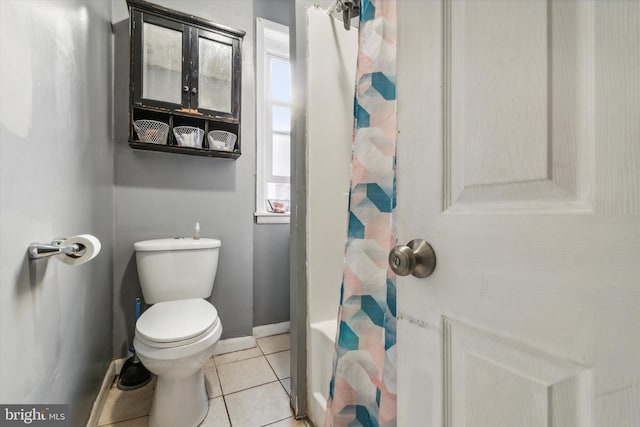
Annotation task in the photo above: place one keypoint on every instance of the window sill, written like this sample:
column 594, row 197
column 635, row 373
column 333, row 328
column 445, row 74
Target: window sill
column 271, row 218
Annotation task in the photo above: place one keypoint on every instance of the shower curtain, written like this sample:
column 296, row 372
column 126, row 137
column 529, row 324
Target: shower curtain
column 362, row 391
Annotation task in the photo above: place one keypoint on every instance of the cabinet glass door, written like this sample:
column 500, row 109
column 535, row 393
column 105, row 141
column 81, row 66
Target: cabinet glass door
column 161, row 63
column 215, row 75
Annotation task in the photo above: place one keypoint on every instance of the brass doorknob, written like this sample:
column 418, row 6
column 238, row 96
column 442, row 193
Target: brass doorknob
column 416, row 258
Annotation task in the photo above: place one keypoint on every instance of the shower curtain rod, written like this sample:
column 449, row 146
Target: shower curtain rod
column 349, row 8
column 333, row 7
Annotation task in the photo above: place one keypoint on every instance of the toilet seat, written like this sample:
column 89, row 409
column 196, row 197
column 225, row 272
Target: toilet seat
column 177, row 323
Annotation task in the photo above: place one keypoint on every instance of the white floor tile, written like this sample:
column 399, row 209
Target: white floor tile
column 289, row 422
column 274, row 343
column 136, row 422
column 280, row 362
column 217, row 416
column 258, row 406
column 286, row 383
column 212, row 383
column 244, row 374
column 236, row 356
column 254, row 397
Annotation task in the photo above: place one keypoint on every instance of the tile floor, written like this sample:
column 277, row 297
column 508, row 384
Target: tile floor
column 248, row 388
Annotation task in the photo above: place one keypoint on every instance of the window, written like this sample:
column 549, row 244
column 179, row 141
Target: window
column 273, row 111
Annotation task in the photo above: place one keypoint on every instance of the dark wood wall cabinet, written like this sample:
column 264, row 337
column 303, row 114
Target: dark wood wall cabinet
column 185, row 75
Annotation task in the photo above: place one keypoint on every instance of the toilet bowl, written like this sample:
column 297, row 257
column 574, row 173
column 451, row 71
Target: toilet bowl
column 174, row 340
column 176, row 336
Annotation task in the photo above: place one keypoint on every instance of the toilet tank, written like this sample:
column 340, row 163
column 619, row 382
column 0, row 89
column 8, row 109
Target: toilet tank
column 180, row 268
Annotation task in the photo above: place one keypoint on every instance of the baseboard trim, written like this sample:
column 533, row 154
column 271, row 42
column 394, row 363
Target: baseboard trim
column 234, row 344
column 243, row 343
column 119, row 363
column 98, row 404
column 273, row 329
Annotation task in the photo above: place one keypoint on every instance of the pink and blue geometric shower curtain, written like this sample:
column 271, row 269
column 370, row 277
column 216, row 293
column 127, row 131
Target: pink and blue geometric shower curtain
column 363, row 387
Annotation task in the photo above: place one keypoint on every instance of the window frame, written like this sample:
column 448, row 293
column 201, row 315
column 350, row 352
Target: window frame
column 272, row 42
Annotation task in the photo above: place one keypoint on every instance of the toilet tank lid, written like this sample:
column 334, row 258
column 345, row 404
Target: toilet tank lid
column 176, row 244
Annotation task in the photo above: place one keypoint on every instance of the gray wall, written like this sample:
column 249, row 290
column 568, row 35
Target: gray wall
column 271, row 241
column 56, row 179
column 163, row 195
column 270, row 274
column 273, row 10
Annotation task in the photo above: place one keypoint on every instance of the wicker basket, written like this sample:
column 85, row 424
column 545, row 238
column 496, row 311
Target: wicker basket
column 221, row 140
column 151, row 131
column 188, row 136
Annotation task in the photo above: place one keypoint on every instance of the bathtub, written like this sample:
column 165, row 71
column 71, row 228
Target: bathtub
column 321, row 337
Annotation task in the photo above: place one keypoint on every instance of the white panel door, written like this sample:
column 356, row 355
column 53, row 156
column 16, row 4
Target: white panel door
column 519, row 161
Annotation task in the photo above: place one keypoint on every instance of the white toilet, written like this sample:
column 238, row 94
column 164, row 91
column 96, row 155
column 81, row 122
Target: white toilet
column 176, row 336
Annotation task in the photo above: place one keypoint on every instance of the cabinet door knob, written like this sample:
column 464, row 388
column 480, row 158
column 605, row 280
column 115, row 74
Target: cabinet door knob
column 194, row 90
column 416, row 258
column 185, row 88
